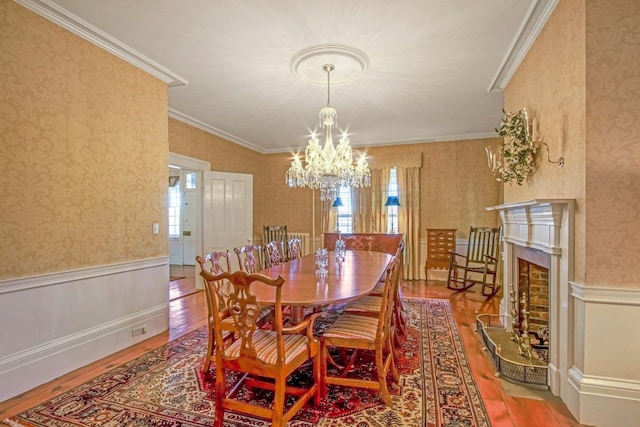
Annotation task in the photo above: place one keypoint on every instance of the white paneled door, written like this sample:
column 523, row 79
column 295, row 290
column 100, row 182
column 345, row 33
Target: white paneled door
column 227, row 212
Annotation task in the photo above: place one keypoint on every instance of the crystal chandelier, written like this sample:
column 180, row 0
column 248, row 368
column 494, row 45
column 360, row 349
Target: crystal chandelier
column 328, row 168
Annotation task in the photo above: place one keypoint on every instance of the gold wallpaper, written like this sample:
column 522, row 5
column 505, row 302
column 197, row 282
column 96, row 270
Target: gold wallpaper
column 613, row 142
column 223, row 155
column 550, row 83
column 83, row 152
column 580, row 79
column 456, row 184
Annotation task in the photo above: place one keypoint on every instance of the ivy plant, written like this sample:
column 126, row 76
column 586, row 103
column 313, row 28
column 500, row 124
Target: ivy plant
column 518, row 150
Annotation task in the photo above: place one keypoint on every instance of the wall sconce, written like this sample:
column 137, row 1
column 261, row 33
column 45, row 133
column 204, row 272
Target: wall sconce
column 536, row 139
column 392, row 201
column 514, row 160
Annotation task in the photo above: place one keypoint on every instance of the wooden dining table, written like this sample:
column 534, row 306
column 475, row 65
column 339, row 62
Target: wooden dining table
column 354, row 277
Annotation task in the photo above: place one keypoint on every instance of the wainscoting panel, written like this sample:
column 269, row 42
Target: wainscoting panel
column 55, row 323
column 605, row 380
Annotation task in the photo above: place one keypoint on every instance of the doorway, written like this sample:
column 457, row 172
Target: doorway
column 181, row 201
column 185, row 239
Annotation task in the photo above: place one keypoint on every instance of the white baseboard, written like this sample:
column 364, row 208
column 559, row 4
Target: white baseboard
column 57, row 323
column 601, row 401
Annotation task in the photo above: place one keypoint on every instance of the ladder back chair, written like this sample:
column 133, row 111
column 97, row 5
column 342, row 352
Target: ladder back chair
column 267, row 357
column 276, row 233
column 357, row 332
column 480, row 265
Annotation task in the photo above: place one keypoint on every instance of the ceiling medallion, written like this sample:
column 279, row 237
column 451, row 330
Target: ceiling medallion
column 350, row 61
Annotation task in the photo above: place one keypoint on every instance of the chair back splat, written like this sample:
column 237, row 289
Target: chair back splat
column 295, row 248
column 266, row 356
column 250, row 258
column 274, row 254
column 358, row 243
column 480, row 265
column 276, row 233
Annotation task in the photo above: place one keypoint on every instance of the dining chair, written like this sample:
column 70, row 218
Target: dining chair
column 267, row 357
column 371, row 303
column 250, row 258
column 357, row 333
column 276, row 233
column 214, row 263
column 358, row 243
column 274, row 254
column 295, row 248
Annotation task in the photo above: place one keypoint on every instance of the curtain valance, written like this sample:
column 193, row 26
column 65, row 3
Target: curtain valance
column 396, row 159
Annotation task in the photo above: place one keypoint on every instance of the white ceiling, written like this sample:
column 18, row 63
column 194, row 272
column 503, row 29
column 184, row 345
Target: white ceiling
column 436, row 68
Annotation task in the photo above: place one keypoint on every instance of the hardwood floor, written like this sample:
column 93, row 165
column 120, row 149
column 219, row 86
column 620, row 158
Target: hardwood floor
column 504, row 402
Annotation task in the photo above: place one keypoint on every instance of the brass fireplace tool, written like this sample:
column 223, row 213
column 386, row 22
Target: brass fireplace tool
column 520, row 333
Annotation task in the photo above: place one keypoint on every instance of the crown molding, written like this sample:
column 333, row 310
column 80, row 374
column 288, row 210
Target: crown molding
column 67, row 20
column 442, row 138
column 175, row 114
column 536, row 18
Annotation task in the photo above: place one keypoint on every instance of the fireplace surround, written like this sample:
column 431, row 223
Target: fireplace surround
column 542, row 232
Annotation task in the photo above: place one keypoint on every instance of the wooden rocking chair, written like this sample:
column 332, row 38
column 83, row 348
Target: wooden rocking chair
column 480, row 265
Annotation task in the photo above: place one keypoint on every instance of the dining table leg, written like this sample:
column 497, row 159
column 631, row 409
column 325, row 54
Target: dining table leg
column 297, row 314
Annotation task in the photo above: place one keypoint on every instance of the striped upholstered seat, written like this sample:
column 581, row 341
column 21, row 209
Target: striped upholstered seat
column 353, row 327
column 368, row 303
column 265, row 344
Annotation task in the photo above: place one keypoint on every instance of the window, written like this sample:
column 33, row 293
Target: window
column 345, row 212
column 174, row 202
column 190, row 180
column 392, row 211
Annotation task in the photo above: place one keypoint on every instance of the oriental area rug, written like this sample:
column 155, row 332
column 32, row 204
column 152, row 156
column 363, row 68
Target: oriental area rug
column 165, row 387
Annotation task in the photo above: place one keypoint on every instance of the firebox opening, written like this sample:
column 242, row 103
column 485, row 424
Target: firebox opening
column 533, row 313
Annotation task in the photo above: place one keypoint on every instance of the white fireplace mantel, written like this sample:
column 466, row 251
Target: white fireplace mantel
column 592, row 362
column 545, row 225
column 536, row 224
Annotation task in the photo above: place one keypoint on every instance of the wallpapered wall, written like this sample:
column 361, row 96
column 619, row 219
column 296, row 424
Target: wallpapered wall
column 580, row 80
column 83, row 152
column 456, row 184
column 613, row 142
column 550, row 83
